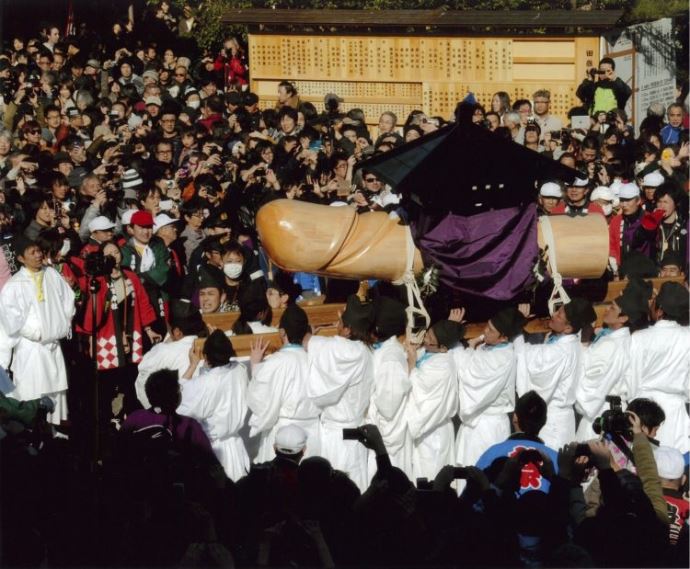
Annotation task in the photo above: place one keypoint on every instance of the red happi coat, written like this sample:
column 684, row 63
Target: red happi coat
column 109, row 347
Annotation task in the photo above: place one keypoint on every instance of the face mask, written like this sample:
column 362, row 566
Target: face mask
column 194, row 104
column 607, row 209
column 65, row 247
column 232, row 270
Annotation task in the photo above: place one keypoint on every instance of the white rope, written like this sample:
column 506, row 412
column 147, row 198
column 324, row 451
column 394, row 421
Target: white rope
column 415, row 306
column 558, row 294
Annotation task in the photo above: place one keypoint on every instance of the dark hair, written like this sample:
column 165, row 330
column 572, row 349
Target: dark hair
column 289, row 88
column 287, row 111
column 530, row 410
column 50, row 241
column 163, row 389
column 218, row 349
column 610, row 61
column 668, row 189
column 650, row 412
column 517, row 104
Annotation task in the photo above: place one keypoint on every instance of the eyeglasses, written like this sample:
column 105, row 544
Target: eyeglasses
column 371, row 180
column 180, row 75
column 35, row 131
column 540, row 101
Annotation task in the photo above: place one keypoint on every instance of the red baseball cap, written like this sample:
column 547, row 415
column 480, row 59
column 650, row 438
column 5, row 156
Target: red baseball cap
column 142, row 219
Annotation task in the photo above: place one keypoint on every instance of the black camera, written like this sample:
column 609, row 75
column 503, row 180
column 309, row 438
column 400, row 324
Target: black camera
column 353, row 435
column 98, row 265
column 425, row 484
column 611, row 118
column 613, row 421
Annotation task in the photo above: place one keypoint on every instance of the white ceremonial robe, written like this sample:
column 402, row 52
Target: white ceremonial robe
column 387, row 409
column 486, row 383
column 433, row 404
column 35, row 329
column 170, row 354
column 340, row 384
column 217, row 399
column 277, row 396
column 552, row 370
column 605, row 365
column 660, row 370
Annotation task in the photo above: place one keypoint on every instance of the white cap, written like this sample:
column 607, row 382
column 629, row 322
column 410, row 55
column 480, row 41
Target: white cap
column 153, row 100
column 629, row 191
column 615, row 187
column 127, row 216
column 161, row 220
column 653, row 179
column 669, row 462
column 101, row 223
column 550, row 190
column 580, row 182
column 290, row 439
column 602, row 193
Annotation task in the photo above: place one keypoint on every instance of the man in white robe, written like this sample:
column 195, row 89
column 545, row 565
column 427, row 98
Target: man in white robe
column 486, row 381
column 552, row 369
column 340, row 384
column 660, row 364
column 277, row 392
column 392, row 386
column 186, row 324
column 434, row 401
column 36, row 310
column 606, row 361
column 217, row 399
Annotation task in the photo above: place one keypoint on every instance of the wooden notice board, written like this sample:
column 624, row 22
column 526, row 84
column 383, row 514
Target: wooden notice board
column 378, row 73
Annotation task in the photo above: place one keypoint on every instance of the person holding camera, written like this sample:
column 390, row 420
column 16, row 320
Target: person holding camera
column 602, row 90
column 123, row 315
column 36, row 310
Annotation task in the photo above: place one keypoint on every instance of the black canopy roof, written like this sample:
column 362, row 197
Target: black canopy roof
column 466, row 169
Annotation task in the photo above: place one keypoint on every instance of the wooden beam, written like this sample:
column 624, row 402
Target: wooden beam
column 455, row 19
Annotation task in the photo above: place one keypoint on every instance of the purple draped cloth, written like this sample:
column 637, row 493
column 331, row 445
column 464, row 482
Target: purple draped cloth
column 490, row 254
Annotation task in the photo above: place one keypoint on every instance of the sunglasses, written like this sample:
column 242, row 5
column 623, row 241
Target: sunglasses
column 371, row 180
column 35, row 131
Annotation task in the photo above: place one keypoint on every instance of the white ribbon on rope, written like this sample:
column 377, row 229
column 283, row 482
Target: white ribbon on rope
column 415, row 306
column 558, row 294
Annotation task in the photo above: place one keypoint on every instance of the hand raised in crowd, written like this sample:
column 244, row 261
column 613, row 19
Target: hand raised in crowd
column 571, row 466
column 101, row 198
column 635, row 422
column 373, row 439
column 154, row 336
column 258, row 350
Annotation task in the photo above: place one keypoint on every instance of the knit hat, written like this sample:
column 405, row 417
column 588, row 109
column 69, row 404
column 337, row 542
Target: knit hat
column 210, row 277
column 358, row 316
column 390, row 318
column 150, row 74
column 673, row 300
column 290, row 439
column 131, row 180
column 509, row 322
column 580, row 313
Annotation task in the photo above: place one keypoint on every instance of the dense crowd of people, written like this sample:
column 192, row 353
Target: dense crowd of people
column 131, row 174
